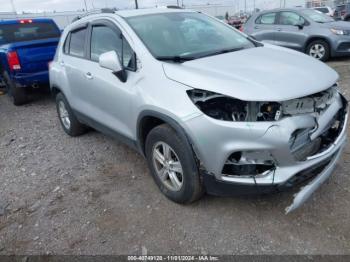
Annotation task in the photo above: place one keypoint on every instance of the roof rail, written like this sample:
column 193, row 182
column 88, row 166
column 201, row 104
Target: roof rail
column 96, row 11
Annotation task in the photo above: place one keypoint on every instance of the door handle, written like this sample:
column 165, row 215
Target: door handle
column 89, row 75
column 279, row 29
column 256, row 27
column 61, row 63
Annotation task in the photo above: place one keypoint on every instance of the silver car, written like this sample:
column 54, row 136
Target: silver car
column 210, row 109
column 305, row 30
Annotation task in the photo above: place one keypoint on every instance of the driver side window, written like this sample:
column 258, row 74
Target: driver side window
column 291, row 18
column 105, row 39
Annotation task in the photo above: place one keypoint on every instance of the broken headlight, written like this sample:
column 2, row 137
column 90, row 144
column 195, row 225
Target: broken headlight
column 226, row 108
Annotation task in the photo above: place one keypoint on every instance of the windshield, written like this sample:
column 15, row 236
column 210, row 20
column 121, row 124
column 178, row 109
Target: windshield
column 10, row 33
column 185, row 34
column 317, row 16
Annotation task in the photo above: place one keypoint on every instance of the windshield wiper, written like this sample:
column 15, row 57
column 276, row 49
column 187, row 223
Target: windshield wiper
column 223, row 51
column 176, row 59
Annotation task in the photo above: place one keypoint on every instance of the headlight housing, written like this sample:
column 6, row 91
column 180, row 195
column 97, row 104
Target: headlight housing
column 226, row 108
column 339, row 31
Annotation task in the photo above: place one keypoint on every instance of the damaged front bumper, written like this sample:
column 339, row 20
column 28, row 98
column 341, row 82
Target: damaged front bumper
column 285, row 154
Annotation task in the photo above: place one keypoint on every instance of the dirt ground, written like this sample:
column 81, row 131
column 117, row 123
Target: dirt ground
column 93, row 195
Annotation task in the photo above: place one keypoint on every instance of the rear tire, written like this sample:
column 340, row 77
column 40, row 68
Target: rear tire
column 69, row 122
column 18, row 95
column 319, row 49
column 178, row 177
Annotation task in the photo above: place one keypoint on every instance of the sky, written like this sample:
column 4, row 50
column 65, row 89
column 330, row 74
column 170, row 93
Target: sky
column 72, row 5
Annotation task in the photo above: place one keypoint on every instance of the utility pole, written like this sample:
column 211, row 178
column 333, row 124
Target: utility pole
column 86, row 9
column 136, row 4
column 13, row 7
column 245, row 6
column 177, row 1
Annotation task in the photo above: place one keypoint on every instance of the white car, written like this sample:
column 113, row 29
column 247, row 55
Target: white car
column 326, row 10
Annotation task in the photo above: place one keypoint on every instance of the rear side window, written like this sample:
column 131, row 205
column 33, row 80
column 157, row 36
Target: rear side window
column 77, row 42
column 266, row 19
column 21, row 32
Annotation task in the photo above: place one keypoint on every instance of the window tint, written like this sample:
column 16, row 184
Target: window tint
column 77, row 42
column 267, row 19
column 291, row 18
column 10, row 33
column 105, row 39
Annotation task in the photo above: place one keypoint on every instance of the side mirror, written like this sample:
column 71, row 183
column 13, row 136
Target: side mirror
column 300, row 25
column 110, row 60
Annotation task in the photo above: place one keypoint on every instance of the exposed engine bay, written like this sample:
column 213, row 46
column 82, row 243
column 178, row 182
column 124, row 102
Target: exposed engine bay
column 226, row 108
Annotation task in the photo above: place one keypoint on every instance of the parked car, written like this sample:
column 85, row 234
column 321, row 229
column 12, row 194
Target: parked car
column 26, row 48
column 305, row 30
column 210, row 109
column 326, row 10
column 235, row 21
column 342, row 12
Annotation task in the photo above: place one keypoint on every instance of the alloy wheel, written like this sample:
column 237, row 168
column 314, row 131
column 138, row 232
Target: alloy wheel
column 64, row 115
column 167, row 166
column 317, row 51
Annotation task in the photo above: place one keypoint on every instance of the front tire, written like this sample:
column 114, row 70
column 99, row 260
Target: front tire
column 69, row 122
column 173, row 165
column 319, row 49
column 18, row 95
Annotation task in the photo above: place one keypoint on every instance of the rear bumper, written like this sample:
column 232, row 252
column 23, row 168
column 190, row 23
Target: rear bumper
column 29, row 79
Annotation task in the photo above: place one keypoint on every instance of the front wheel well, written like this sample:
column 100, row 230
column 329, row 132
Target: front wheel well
column 146, row 124
column 312, row 39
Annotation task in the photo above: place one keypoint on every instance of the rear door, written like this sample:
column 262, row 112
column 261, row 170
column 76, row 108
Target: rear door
column 73, row 62
column 264, row 27
column 289, row 34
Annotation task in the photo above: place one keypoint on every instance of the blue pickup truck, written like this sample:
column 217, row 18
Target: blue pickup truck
column 26, row 48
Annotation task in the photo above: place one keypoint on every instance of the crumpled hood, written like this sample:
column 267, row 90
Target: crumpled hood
column 267, row 73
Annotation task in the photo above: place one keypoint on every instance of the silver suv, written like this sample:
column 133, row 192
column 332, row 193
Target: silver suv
column 305, row 30
column 211, row 109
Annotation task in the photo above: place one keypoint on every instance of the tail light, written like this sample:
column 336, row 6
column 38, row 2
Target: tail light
column 26, row 21
column 13, row 61
column 241, row 28
column 343, row 13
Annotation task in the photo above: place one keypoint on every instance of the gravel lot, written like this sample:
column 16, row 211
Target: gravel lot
column 93, row 195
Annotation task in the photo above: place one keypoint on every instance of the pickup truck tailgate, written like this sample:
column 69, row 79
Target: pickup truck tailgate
column 35, row 55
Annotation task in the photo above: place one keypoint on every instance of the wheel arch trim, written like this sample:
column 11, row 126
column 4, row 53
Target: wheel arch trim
column 167, row 120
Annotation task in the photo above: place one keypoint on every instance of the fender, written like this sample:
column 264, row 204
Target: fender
column 168, row 120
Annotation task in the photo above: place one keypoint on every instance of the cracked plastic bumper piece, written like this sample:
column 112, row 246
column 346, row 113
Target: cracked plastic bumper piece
column 306, row 192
